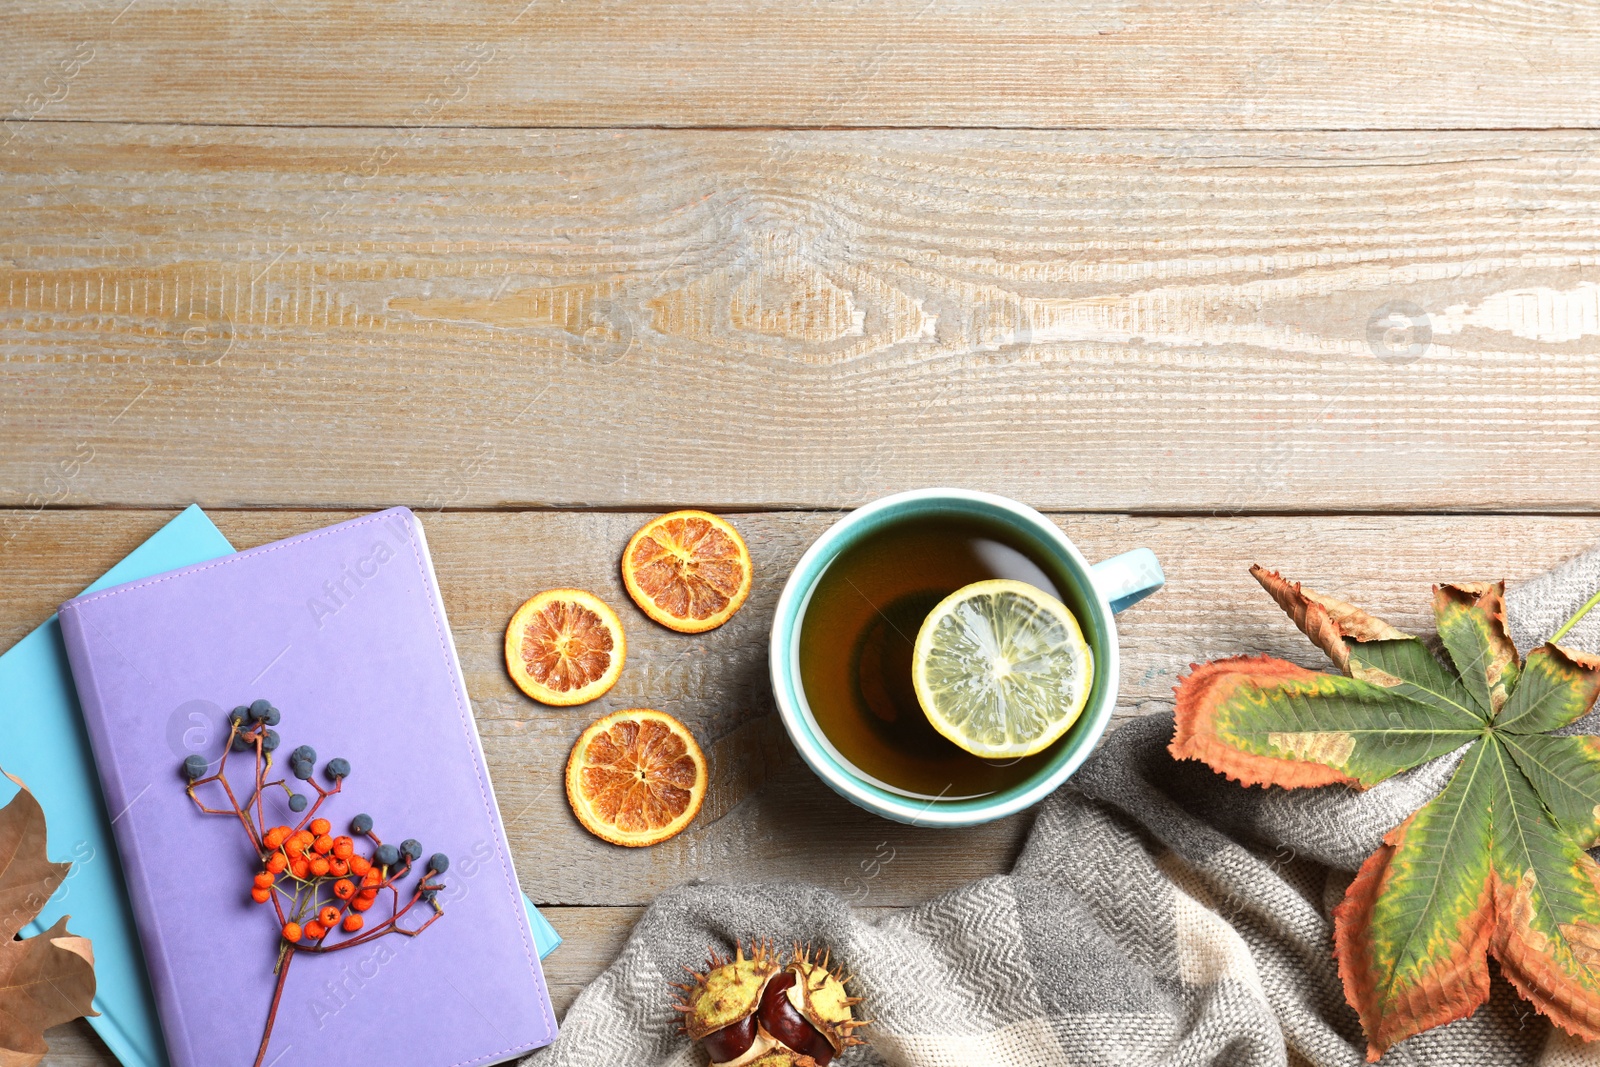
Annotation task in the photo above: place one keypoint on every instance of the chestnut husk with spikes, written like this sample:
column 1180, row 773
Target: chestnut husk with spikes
column 753, row 1010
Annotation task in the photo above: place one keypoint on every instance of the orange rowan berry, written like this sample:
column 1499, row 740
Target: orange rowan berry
column 315, row 930
column 319, row 866
column 352, row 923
column 343, row 847
column 260, row 895
column 320, row 826
column 323, row 844
column 265, row 880
column 338, row 867
column 276, row 836
column 372, row 877
column 360, row 904
column 344, row 889
column 299, row 868
column 291, row 931
column 328, row 916
column 277, row 862
column 359, row 865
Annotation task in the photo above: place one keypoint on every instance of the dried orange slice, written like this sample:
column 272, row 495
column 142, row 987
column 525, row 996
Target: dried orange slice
column 688, row 570
column 565, row 646
column 636, row 777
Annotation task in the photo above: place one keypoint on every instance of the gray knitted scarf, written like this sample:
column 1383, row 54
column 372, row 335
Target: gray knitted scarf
column 1160, row 914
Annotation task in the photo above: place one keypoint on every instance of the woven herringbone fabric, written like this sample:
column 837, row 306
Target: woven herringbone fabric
column 1159, row 915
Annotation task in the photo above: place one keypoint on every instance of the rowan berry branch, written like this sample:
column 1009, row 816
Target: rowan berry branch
column 299, row 862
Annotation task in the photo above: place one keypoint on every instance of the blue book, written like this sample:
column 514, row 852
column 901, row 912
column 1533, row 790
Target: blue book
column 43, row 742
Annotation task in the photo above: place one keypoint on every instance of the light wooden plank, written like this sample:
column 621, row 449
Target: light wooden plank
column 766, row 817
column 590, row 940
column 75, row 1044
column 1040, row 63
column 1152, row 322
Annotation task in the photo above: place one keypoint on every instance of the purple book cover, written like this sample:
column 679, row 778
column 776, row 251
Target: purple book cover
column 343, row 630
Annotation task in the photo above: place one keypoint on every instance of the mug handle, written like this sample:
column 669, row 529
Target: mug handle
column 1127, row 579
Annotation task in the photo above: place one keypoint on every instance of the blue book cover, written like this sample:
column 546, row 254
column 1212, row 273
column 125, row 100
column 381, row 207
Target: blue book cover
column 43, row 742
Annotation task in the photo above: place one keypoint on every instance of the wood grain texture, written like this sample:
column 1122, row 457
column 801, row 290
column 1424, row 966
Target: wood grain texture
column 590, row 940
column 1038, row 63
column 1155, row 322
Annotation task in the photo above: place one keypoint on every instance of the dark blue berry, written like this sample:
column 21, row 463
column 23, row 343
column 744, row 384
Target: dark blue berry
column 338, row 768
column 303, row 769
column 411, row 848
column 438, row 863
column 238, row 715
column 361, row 824
column 240, row 743
column 274, row 717
column 297, row 803
column 258, row 710
column 387, row 855
column 429, row 894
column 269, row 742
column 304, row 752
column 195, row 766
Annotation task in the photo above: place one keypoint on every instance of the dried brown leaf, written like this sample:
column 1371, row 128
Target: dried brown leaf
column 1326, row 620
column 27, row 877
column 44, row 980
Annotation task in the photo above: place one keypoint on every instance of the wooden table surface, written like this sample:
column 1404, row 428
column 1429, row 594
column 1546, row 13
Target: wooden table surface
column 1314, row 283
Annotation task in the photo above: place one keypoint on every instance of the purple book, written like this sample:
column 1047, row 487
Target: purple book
column 344, row 631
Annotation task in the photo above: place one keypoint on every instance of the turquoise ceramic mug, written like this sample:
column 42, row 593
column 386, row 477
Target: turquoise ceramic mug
column 1095, row 593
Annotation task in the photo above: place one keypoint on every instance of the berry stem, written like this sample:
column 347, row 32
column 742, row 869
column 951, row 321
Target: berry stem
column 244, row 820
column 388, row 926
column 261, row 774
column 322, row 794
column 277, row 995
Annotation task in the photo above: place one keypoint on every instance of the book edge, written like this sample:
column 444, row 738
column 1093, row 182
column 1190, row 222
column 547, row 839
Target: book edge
column 469, row 731
column 157, row 968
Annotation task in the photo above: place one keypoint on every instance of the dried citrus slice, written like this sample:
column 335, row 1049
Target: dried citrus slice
column 1001, row 668
column 565, row 646
column 636, row 777
column 689, row 570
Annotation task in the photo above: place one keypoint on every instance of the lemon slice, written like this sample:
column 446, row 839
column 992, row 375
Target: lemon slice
column 1001, row 668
